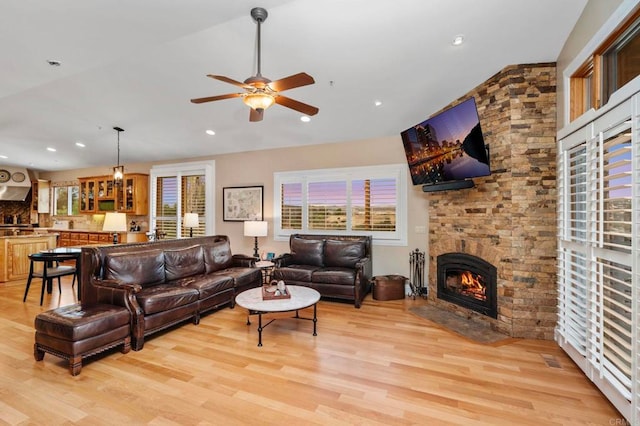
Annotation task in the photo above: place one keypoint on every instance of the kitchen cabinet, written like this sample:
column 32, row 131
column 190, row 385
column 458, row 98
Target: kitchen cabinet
column 100, row 194
column 75, row 238
column 87, row 195
column 40, row 200
column 15, row 251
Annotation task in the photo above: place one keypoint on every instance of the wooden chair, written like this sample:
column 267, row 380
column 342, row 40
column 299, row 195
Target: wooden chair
column 51, row 269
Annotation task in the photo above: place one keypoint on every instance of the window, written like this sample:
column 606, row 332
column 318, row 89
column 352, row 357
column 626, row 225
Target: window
column 615, row 63
column 362, row 200
column 179, row 189
column 66, row 200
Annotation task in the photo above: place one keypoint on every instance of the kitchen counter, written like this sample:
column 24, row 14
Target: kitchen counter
column 15, row 251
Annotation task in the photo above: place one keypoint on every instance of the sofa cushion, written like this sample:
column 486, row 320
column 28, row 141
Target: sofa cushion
column 211, row 284
column 294, row 273
column 142, row 267
column 183, row 263
column 344, row 254
column 306, row 252
column 217, row 256
column 241, row 276
column 164, row 297
column 340, row 276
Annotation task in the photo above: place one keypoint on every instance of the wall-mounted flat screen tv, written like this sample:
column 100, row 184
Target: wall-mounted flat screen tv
column 447, row 147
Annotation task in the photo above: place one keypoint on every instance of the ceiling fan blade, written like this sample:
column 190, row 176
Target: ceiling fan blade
column 230, row 81
column 291, row 82
column 297, row 105
column 216, row 98
column 256, row 114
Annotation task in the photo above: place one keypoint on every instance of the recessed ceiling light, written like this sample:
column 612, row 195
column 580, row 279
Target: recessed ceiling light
column 80, row 144
column 377, row 103
column 458, row 40
column 51, row 149
column 210, row 132
column 4, row 157
column 54, row 63
column 305, row 119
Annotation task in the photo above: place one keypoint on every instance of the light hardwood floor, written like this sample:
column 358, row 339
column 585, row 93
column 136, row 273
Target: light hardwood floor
column 376, row 365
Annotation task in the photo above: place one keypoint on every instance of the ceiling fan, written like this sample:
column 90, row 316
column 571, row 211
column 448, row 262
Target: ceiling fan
column 260, row 92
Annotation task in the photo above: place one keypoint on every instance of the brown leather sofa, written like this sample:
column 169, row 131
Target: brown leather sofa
column 338, row 267
column 165, row 282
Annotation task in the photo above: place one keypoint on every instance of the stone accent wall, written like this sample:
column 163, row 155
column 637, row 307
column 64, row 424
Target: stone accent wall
column 509, row 218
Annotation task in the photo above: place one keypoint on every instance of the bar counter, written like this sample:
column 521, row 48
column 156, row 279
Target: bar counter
column 15, row 251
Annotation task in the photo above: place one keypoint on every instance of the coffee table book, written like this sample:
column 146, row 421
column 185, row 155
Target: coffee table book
column 269, row 292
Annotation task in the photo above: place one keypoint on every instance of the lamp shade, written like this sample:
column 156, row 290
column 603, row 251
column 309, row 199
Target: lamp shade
column 115, row 222
column 255, row 228
column 190, row 220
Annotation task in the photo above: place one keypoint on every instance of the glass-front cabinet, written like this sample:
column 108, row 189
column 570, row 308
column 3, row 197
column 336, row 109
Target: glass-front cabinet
column 87, row 195
column 100, row 194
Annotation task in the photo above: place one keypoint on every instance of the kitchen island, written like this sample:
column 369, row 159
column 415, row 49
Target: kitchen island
column 15, row 251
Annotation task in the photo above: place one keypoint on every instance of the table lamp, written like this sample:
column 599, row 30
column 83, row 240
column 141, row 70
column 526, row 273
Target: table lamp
column 190, row 221
column 255, row 228
column 115, row 222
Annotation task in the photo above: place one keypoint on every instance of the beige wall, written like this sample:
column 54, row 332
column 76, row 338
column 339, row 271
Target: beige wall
column 595, row 14
column 257, row 168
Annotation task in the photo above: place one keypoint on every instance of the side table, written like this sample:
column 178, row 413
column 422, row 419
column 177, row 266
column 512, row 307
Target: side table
column 267, row 268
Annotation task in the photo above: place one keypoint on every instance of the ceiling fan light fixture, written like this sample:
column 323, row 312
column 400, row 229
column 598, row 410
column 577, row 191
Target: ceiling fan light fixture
column 258, row 100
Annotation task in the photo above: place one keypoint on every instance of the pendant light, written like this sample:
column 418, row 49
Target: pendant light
column 118, row 171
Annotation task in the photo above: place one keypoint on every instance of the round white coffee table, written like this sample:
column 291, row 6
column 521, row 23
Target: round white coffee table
column 301, row 298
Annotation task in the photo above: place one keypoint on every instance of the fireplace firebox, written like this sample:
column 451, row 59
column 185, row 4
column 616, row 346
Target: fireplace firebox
column 468, row 281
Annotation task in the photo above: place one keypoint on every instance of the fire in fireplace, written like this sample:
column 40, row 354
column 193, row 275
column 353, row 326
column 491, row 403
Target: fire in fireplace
column 468, row 281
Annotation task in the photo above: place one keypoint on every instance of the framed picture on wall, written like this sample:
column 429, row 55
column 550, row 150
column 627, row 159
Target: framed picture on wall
column 242, row 203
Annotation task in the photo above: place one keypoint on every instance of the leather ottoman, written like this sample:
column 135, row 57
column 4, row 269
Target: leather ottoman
column 73, row 332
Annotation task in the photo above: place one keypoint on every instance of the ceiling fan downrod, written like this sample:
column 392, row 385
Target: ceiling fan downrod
column 259, row 15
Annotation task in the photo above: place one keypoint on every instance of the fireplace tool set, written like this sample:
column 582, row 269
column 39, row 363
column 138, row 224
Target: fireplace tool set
column 416, row 274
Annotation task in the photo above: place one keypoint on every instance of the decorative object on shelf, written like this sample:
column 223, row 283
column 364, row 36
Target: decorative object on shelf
column 270, row 256
column 276, row 290
column 4, row 176
column 255, row 228
column 242, row 203
column 18, row 177
column 190, row 221
column 115, row 222
column 118, row 170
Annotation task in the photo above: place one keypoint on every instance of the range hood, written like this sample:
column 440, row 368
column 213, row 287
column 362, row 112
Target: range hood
column 15, row 184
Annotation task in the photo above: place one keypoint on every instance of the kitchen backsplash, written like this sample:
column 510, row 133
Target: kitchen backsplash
column 15, row 212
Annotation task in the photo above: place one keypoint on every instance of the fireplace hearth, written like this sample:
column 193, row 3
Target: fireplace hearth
column 468, row 281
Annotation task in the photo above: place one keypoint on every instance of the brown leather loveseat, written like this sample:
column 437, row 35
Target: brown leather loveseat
column 337, row 266
column 165, row 282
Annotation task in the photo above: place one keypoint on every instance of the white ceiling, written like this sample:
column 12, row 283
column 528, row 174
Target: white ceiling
column 137, row 63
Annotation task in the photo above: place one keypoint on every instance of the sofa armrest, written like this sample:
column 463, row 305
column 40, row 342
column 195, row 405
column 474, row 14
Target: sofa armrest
column 282, row 260
column 116, row 293
column 243, row 260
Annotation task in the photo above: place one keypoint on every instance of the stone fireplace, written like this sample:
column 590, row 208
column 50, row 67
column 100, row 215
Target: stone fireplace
column 509, row 218
column 468, row 281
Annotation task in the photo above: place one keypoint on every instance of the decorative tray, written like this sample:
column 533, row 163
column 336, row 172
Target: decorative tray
column 274, row 292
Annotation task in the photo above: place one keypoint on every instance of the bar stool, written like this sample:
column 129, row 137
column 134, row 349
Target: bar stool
column 51, row 269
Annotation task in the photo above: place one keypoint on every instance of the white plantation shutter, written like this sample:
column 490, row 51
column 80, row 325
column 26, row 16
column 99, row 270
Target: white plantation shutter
column 359, row 200
column 327, row 205
column 291, row 205
column 599, row 252
column 373, row 204
column 182, row 188
column 167, row 206
column 193, row 201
